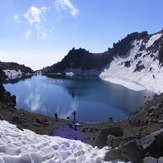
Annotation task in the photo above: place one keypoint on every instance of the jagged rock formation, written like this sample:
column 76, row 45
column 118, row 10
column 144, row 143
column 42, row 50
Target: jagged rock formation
column 5, row 97
column 80, row 58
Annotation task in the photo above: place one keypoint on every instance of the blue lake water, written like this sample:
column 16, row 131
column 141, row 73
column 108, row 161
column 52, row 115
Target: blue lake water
column 94, row 100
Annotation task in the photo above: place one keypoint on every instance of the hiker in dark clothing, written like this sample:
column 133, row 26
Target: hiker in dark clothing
column 56, row 116
column 74, row 115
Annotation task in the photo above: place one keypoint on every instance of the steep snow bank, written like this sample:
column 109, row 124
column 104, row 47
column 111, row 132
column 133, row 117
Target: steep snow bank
column 126, row 84
column 153, row 39
column 17, row 146
column 138, row 66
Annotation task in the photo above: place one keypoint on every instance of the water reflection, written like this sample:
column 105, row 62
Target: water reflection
column 93, row 100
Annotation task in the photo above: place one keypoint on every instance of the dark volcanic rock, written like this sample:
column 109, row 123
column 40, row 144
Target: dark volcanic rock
column 150, row 160
column 153, row 144
column 16, row 119
column 113, row 141
column 5, row 96
column 2, row 91
column 13, row 100
column 101, row 139
column 80, row 58
column 137, row 150
column 131, row 151
column 15, row 66
column 114, row 154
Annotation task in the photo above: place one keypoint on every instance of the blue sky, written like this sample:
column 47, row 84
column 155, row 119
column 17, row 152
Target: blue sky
column 39, row 33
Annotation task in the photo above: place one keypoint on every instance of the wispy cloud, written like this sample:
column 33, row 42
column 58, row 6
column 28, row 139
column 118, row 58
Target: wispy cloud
column 35, row 18
column 34, row 14
column 16, row 17
column 27, row 34
column 64, row 5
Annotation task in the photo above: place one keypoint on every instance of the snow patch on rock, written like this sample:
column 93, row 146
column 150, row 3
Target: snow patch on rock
column 12, row 74
column 153, row 39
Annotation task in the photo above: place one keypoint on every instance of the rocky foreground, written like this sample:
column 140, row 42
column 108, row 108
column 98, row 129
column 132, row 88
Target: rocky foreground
column 136, row 139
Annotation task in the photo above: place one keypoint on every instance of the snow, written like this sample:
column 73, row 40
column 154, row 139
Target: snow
column 13, row 74
column 17, row 146
column 79, row 71
column 150, row 77
column 69, row 74
column 153, row 39
column 127, row 84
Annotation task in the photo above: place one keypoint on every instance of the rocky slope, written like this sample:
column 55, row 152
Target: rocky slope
column 11, row 70
column 137, row 58
column 5, row 96
column 15, row 66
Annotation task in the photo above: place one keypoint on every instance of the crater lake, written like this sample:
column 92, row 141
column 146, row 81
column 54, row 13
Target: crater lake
column 93, row 99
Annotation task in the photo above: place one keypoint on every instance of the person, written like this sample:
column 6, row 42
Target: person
column 56, row 116
column 74, row 115
column 111, row 119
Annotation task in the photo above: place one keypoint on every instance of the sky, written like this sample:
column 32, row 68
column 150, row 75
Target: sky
column 39, row 33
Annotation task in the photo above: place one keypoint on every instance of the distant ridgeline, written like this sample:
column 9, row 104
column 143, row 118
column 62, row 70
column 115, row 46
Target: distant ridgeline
column 141, row 45
column 15, row 66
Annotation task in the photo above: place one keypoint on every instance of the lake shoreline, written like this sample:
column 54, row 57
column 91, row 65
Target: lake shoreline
column 95, row 134
column 47, row 95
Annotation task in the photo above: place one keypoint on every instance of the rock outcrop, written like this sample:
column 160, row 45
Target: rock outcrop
column 15, row 66
column 148, row 148
column 109, row 136
column 5, row 96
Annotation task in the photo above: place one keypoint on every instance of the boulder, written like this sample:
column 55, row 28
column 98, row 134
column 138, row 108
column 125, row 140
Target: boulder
column 132, row 152
column 101, row 139
column 16, row 119
column 152, row 144
column 114, row 154
column 8, row 93
column 39, row 121
column 13, row 100
column 160, row 160
column 113, row 141
column 149, row 160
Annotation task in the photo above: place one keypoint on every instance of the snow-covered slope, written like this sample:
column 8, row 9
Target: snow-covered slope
column 140, row 66
column 17, row 146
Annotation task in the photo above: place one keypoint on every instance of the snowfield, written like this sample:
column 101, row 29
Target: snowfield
column 150, row 77
column 139, row 69
column 127, row 84
column 17, row 146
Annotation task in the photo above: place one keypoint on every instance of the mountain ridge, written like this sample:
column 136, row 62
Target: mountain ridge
column 81, row 58
column 15, row 66
column 137, row 58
